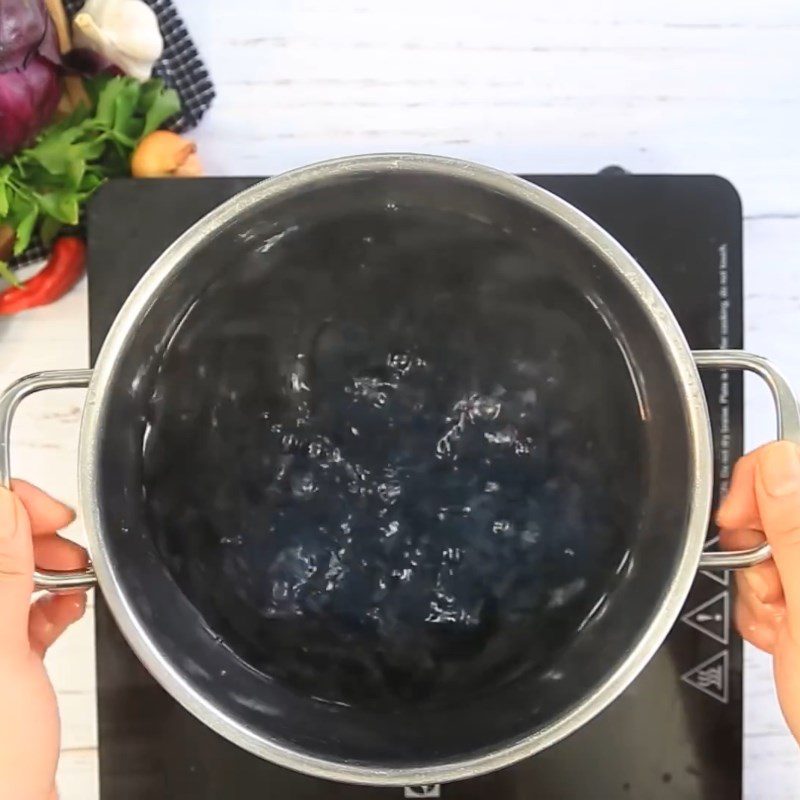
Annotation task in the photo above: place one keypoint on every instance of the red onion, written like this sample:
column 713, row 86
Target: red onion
column 28, row 98
column 29, row 70
column 25, row 29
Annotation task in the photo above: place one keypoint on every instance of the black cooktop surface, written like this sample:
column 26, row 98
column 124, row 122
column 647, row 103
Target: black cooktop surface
column 675, row 733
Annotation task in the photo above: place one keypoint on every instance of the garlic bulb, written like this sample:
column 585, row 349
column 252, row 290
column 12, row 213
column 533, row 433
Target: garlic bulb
column 123, row 31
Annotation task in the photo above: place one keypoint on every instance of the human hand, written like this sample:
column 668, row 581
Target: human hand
column 29, row 723
column 764, row 500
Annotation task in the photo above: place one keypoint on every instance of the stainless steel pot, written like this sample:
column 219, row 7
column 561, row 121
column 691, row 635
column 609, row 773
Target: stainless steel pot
column 346, row 744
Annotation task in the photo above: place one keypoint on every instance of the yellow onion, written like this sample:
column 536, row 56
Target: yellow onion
column 163, row 154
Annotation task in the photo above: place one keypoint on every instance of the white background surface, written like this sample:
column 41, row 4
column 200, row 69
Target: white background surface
column 674, row 87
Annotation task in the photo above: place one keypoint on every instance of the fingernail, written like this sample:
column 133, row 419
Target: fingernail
column 780, row 469
column 8, row 514
column 756, row 584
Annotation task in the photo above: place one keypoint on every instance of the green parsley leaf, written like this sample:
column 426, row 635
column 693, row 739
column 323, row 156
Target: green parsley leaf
column 5, row 174
column 163, row 104
column 89, row 150
column 3, row 200
column 53, row 150
column 62, row 206
column 125, row 126
column 49, row 229
column 107, row 101
column 91, row 181
column 25, row 229
column 5, row 272
column 75, row 172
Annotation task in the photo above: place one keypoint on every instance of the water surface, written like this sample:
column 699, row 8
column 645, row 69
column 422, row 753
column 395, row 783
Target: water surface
column 394, row 459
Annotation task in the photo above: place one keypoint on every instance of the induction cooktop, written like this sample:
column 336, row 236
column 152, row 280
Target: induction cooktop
column 675, row 733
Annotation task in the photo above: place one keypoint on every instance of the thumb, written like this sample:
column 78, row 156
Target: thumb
column 16, row 575
column 778, row 495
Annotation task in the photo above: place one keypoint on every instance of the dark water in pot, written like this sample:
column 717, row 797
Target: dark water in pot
column 394, row 459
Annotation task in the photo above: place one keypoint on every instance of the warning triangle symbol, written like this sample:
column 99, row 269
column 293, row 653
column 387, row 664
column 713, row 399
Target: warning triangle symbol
column 710, row 677
column 711, row 617
column 722, row 578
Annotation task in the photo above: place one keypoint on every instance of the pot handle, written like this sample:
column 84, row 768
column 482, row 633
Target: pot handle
column 788, row 416
column 51, row 580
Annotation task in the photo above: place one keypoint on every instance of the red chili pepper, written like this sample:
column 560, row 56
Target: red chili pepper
column 54, row 279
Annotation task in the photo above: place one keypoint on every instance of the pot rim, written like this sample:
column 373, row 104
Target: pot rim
column 657, row 312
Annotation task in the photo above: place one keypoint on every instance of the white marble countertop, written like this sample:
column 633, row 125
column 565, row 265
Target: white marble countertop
column 564, row 87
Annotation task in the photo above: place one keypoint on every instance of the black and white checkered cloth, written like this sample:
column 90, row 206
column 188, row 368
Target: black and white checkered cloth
column 180, row 65
column 181, row 68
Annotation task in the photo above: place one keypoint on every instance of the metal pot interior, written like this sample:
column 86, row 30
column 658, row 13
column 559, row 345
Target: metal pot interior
column 483, row 271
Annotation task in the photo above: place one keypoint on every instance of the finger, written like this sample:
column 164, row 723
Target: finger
column 56, row 552
column 778, row 494
column 739, row 508
column 50, row 616
column 46, row 513
column 16, row 575
column 772, row 614
column 765, row 620
column 762, row 580
column 752, row 630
